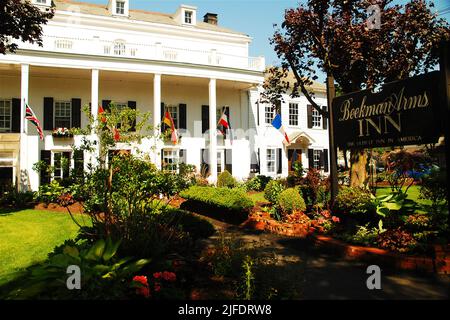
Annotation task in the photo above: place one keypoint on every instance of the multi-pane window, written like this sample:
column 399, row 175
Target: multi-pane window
column 293, row 114
column 63, row 113
column 119, row 48
column 269, row 114
column 188, row 17
column 220, row 161
column 316, row 119
column 120, row 7
column 61, row 164
column 271, row 160
column 173, row 110
column 5, row 115
column 170, row 160
column 316, row 159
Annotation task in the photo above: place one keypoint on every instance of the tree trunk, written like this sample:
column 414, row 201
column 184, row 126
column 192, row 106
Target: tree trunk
column 358, row 168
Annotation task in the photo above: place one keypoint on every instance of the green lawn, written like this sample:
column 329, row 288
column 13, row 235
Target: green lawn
column 257, row 197
column 413, row 194
column 27, row 236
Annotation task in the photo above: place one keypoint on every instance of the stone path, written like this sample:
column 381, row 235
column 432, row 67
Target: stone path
column 321, row 275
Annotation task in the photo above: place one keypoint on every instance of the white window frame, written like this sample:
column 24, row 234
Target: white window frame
column 220, row 160
column 121, row 7
column 174, row 154
column 174, row 111
column 293, row 114
column 269, row 114
column 271, row 159
column 316, row 159
column 188, row 17
column 119, row 48
column 316, row 119
column 55, row 116
column 61, row 169
column 7, row 129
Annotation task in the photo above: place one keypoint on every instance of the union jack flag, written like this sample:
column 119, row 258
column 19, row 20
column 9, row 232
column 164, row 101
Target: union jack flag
column 29, row 115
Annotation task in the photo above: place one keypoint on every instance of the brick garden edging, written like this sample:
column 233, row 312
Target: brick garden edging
column 438, row 264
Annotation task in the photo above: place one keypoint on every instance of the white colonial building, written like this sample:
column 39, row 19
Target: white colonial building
column 184, row 63
column 307, row 131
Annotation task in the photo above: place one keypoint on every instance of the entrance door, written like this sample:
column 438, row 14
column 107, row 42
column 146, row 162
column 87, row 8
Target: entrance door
column 294, row 156
column 6, row 178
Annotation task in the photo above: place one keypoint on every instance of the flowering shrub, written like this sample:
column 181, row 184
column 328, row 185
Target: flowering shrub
column 62, row 133
column 160, row 282
column 323, row 221
column 396, row 240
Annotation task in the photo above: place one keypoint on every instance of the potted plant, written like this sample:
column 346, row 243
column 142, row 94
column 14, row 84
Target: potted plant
column 62, row 133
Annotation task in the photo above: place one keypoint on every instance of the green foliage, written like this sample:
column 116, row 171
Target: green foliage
column 49, row 193
column 434, row 187
column 272, row 191
column 16, row 199
column 104, row 274
column 225, row 198
column 291, row 201
column 397, row 240
column 394, row 204
column 196, row 227
column 257, row 183
column 226, row 180
column 355, row 203
column 246, row 289
column 310, row 186
column 365, row 235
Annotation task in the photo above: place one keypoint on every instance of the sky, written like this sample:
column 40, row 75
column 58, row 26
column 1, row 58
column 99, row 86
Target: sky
column 252, row 17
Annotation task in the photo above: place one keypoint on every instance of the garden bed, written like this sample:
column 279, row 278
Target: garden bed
column 77, row 207
column 263, row 221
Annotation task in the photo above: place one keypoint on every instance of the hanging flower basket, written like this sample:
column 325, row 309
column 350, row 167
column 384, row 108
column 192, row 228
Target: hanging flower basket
column 62, row 133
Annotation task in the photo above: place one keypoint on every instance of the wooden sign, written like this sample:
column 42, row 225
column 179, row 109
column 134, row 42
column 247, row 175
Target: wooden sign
column 403, row 112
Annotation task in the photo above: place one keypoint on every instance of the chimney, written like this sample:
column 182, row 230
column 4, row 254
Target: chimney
column 210, row 18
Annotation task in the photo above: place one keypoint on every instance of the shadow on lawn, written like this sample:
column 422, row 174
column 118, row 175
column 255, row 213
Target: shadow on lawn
column 9, row 211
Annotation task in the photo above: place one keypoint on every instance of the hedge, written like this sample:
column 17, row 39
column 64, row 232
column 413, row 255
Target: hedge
column 224, row 204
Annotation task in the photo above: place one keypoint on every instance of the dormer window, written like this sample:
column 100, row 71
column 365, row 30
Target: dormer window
column 119, row 48
column 188, row 17
column 120, row 7
column 42, row 2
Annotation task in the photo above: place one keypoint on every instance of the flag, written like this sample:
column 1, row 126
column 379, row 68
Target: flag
column 29, row 115
column 116, row 135
column 169, row 122
column 100, row 113
column 279, row 126
column 224, row 121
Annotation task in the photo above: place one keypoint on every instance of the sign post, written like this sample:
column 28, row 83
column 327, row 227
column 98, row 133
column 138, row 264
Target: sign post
column 445, row 106
column 331, row 93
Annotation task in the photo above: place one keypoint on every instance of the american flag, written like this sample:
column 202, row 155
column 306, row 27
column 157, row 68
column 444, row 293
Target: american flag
column 29, row 115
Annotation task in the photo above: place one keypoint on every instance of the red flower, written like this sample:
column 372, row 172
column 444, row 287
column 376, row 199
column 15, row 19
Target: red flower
column 169, row 276
column 326, row 213
column 144, row 291
column 141, row 279
column 335, row 219
column 157, row 287
column 157, row 275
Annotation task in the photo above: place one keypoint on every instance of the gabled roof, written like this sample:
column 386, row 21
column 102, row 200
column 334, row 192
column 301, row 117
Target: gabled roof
column 138, row 15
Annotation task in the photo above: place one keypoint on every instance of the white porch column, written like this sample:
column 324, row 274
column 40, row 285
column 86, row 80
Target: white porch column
column 25, row 72
column 212, row 131
column 94, row 112
column 94, row 93
column 156, row 117
column 24, row 179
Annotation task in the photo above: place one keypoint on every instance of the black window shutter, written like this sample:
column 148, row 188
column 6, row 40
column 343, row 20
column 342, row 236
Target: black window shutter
column 229, row 160
column 45, row 175
column 311, row 158
column 309, row 110
column 259, row 160
column 15, row 113
column 324, row 119
column 182, row 118
column 183, row 156
column 257, row 112
column 205, row 118
column 325, row 160
column 76, row 113
column 163, row 113
column 48, row 113
column 78, row 158
column 204, row 158
column 105, row 105
column 132, row 106
column 279, row 160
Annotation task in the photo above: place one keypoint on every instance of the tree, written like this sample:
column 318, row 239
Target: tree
column 23, row 21
column 334, row 36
